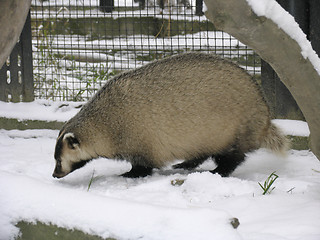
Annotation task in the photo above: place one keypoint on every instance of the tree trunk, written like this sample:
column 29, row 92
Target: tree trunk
column 12, row 18
column 278, row 49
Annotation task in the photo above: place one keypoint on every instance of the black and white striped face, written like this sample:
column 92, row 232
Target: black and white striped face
column 69, row 155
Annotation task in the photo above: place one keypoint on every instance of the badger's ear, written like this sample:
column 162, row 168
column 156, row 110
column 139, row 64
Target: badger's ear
column 71, row 140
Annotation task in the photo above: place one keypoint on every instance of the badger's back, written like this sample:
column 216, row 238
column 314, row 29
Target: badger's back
column 178, row 108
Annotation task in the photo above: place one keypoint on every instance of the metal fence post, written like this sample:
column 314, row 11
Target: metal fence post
column 27, row 66
column 199, row 6
column 16, row 75
column 314, row 30
column 281, row 102
column 3, row 82
column 106, row 5
column 161, row 4
column 142, row 3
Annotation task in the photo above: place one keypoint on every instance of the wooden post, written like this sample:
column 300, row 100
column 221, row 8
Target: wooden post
column 16, row 77
column 12, row 18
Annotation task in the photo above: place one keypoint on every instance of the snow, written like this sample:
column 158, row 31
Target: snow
column 154, row 207
column 293, row 127
column 272, row 10
column 43, row 110
column 107, row 216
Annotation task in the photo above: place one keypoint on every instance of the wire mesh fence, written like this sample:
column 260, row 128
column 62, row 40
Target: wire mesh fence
column 79, row 44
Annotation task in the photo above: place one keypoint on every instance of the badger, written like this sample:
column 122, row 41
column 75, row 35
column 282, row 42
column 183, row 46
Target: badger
column 188, row 107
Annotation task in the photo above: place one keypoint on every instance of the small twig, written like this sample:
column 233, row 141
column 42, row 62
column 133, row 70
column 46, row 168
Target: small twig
column 91, row 180
column 290, row 190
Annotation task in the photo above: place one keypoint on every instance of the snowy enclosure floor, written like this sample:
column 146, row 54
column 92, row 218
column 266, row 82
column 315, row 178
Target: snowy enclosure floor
column 199, row 207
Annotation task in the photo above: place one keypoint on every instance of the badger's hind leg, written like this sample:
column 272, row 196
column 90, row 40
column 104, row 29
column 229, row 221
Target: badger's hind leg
column 228, row 162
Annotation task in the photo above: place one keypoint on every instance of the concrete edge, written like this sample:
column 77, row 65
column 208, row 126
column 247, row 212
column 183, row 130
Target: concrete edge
column 12, row 123
column 299, row 142
column 40, row 231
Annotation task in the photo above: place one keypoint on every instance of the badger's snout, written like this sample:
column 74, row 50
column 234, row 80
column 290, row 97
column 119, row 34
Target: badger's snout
column 58, row 173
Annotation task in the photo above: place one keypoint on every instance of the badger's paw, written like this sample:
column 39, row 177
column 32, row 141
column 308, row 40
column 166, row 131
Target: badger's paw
column 138, row 171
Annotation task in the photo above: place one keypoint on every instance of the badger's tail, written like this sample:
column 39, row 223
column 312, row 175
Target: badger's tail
column 275, row 140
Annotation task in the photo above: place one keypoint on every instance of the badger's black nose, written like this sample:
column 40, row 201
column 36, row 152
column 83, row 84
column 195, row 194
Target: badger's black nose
column 58, row 173
column 55, row 175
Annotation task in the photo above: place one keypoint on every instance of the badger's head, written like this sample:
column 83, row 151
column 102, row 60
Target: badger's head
column 69, row 155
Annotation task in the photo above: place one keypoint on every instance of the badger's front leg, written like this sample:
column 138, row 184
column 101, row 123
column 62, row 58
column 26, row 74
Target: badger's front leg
column 138, row 171
column 141, row 167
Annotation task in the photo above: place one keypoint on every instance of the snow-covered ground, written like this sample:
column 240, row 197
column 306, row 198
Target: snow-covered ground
column 154, row 207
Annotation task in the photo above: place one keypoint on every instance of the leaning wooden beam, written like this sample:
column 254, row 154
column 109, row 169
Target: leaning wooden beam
column 291, row 62
column 12, row 18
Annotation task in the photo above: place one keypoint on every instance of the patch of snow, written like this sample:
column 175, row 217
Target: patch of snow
column 293, row 127
column 44, row 110
column 151, row 207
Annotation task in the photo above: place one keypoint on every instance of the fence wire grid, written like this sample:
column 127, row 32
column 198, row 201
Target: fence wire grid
column 79, row 44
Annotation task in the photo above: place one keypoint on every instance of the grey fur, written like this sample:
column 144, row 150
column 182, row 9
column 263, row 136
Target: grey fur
column 189, row 106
